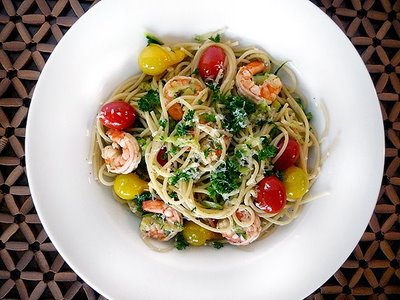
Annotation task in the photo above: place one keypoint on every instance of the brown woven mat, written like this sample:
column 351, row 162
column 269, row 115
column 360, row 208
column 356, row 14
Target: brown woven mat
column 30, row 266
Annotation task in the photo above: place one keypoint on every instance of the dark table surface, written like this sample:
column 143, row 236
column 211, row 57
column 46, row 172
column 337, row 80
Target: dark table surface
column 30, row 266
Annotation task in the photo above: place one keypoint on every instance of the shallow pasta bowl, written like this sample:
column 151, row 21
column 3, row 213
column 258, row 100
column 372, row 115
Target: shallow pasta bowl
column 100, row 239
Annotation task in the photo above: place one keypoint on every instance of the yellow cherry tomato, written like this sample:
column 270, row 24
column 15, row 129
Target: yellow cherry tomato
column 176, row 56
column 128, row 186
column 155, row 59
column 296, row 182
column 196, row 235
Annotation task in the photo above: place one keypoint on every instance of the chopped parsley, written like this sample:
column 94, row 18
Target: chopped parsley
column 216, row 95
column 151, row 39
column 139, row 200
column 182, row 129
column 275, row 131
column 173, row 150
column 241, row 232
column 181, row 175
column 225, row 179
column 142, row 143
column 189, row 116
column 276, row 173
column 238, row 111
column 209, row 118
column 149, row 101
column 186, row 124
column 207, row 152
column 195, row 72
column 268, row 151
column 163, row 123
column 215, row 39
column 309, row 116
column 217, row 245
column 180, row 242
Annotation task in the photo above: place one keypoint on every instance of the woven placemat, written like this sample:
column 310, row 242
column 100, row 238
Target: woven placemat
column 30, row 266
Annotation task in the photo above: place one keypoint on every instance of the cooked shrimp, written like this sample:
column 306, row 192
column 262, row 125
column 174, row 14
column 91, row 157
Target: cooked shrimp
column 180, row 86
column 164, row 224
column 269, row 88
column 123, row 155
column 241, row 236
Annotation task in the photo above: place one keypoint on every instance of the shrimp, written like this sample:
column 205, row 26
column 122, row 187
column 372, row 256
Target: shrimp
column 269, row 88
column 180, row 86
column 241, row 236
column 123, row 155
column 164, row 224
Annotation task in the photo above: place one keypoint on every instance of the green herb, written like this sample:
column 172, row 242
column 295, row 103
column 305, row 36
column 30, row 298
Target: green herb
column 240, row 231
column 275, row 131
column 209, row 118
column 238, row 110
column 164, row 156
column 195, row 72
column 280, row 67
column 149, row 101
column 207, row 152
column 180, row 242
column 142, row 197
column 210, row 204
column 189, row 116
column 142, row 143
column 216, row 95
column 299, row 102
column 277, row 173
column 181, row 175
column 172, row 124
column 217, row 245
column 151, row 39
column 267, row 152
column 163, row 123
column 225, row 179
column 215, row 39
column 216, row 145
column 173, row 195
column 181, row 129
column 309, row 116
column 173, row 150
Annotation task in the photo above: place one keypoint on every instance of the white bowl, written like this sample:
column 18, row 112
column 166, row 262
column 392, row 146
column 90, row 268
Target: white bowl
column 100, row 239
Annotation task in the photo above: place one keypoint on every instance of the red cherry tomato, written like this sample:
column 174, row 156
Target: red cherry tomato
column 162, row 156
column 211, row 62
column 117, row 115
column 271, row 195
column 289, row 156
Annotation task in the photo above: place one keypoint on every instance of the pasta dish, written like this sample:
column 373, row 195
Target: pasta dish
column 208, row 144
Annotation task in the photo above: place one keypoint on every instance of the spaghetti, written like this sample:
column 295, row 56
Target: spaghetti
column 207, row 144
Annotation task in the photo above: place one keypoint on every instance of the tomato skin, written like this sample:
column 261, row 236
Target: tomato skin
column 117, row 115
column 211, row 62
column 162, row 157
column 196, row 235
column 128, row 186
column 296, row 182
column 271, row 195
column 155, row 59
column 289, row 156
